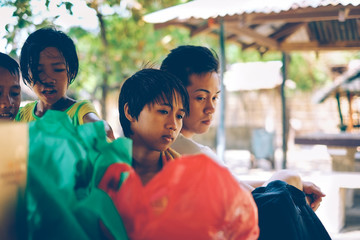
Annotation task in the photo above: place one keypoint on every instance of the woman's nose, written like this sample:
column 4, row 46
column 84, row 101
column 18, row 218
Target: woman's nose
column 210, row 107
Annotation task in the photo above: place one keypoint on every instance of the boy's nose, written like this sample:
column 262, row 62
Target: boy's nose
column 5, row 102
column 172, row 124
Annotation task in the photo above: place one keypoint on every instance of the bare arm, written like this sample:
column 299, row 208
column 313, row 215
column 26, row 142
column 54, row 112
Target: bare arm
column 92, row 117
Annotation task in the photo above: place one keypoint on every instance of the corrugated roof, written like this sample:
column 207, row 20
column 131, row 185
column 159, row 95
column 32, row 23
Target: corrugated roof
column 204, row 9
column 284, row 25
column 349, row 81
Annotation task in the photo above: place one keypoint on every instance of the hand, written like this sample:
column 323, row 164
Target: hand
column 313, row 195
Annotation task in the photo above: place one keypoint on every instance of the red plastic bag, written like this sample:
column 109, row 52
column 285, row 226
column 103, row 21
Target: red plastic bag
column 191, row 198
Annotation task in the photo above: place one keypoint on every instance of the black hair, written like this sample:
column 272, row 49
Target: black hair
column 187, row 59
column 149, row 86
column 10, row 64
column 37, row 42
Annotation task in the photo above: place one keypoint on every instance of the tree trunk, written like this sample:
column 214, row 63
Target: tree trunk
column 106, row 61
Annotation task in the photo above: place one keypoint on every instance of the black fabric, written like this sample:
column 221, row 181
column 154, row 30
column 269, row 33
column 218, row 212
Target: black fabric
column 284, row 214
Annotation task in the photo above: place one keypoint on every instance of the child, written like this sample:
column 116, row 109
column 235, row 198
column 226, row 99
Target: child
column 197, row 68
column 49, row 64
column 152, row 104
column 10, row 92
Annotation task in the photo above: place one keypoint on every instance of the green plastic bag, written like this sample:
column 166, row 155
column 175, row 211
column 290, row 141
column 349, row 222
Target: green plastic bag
column 65, row 164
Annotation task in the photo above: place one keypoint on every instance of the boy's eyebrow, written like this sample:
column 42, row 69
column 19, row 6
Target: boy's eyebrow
column 205, row 90
column 166, row 104
column 169, row 105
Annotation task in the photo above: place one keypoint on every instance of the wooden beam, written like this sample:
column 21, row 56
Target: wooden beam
column 303, row 15
column 287, row 30
column 258, row 38
column 205, row 28
column 315, row 46
column 170, row 23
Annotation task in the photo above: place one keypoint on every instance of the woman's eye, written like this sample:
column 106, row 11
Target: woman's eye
column 180, row 116
column 216, row 98
column 200, row 98
column 59, row 70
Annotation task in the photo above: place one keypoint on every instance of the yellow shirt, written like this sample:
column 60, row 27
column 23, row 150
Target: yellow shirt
column 76, row 112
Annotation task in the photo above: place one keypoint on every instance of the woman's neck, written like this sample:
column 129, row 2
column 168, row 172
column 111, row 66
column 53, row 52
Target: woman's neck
column 187, row 133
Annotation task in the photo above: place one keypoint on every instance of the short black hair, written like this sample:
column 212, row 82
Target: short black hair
column 188, row 59
column 37, row 42
column 148, row 86
column 10, row 64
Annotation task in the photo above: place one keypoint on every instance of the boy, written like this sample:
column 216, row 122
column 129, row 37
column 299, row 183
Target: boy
column 10, row 92
column 152, row 104
column 197, row 68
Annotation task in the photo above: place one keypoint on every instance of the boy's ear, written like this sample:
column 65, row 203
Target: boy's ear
column 127, row 114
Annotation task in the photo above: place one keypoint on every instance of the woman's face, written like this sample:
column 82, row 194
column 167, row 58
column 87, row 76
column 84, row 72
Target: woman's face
column 204, row 90
column 52, row 82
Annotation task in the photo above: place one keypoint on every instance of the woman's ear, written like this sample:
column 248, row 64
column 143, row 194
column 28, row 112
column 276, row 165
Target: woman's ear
column 127, row 114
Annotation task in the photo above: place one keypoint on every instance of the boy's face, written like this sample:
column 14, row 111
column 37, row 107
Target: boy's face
column 10, row 94
column 203, row 92
column 158, row 125
column 53, row 77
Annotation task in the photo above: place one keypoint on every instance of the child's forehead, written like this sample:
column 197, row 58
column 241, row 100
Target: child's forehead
column 7, row 78
column 167, row 99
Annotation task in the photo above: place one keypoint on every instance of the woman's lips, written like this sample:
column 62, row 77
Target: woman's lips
column 207, row 122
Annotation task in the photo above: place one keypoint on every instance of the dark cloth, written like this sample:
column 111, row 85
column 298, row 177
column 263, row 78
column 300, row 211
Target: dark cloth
column 284, row 214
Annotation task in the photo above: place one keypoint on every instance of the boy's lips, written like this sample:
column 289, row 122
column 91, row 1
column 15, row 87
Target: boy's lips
column 6, row 115
column 168, row 138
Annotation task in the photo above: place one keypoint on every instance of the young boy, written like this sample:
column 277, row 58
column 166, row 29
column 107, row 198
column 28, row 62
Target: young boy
column 10, row 92
column 152, row 105
column 197, row 68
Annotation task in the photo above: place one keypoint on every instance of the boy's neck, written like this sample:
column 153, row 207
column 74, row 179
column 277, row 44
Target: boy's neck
column 146, row 163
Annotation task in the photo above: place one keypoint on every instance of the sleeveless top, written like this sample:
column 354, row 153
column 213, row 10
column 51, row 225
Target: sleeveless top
column 76, row 112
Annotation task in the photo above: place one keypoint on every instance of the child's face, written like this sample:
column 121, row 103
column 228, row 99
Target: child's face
column 10, row 96
column 203, row 92
column 53, row 79
column 158, row 125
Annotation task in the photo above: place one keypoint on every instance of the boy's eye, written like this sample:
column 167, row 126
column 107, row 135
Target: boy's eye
column 14, row 94
column 59, row 70
column 180, row 116
column 163, row 111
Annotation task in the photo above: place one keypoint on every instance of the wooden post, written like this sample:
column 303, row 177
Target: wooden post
column 220, row 136
column 350, row 122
